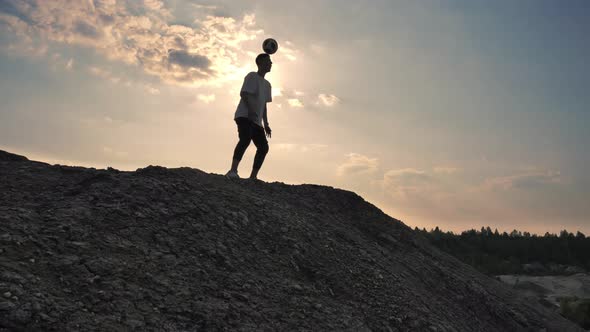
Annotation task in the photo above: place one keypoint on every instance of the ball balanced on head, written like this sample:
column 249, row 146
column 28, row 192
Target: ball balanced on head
column 270, row 46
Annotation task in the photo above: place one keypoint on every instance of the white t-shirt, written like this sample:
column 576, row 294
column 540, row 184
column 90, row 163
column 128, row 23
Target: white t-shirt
column 260, row 87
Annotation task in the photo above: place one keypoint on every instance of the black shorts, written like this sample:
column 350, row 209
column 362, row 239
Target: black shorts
column 248, row 130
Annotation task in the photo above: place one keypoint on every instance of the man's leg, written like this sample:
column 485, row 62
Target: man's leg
column 245, row 136
column 261, row 143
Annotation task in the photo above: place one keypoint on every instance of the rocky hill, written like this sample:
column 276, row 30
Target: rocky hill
column 182, row 250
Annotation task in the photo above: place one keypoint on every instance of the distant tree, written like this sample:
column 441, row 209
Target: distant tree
column 515, row 233
column 496, row 254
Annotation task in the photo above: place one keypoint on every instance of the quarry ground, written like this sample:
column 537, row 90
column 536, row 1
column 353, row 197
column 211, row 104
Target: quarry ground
column 182, row 250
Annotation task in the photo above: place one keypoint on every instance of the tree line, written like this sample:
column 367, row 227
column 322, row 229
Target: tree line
column 517, row 252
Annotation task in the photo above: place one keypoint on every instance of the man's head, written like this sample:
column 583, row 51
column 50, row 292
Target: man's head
column 263, row 62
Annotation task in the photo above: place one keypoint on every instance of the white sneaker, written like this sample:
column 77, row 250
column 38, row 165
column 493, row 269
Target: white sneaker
column 232, row 175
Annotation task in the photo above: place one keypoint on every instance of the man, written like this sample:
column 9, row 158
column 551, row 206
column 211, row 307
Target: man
column 249, row 116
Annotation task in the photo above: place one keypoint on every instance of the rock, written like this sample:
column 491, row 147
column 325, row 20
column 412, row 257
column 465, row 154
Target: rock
column 12, row 277
column 7, row 306
column 574, row 270
column 7, row 295
column 533, row 268
column 22, row 315
column 231, row 224
column 244, row 218
column 241, row 297
column 134, row 323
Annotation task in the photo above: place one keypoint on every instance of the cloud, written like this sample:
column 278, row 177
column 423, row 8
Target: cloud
column 135, row 33
column 154, row 5
column 104, row 73
column 446, row 170
column 327, row 100
column 86, row 30
column 357, row 164
column 107, row 75
column 205, row 7
column 151, row 90
column 206, row 98
column 109, row 151
column 70, row 64
column 531, row 180
column 317, row 48
column 299, row 99
column 57, row 62
column 288, row 51
column 277, row 92
column 415, row 192
column 407, row 181
column 295, row 102
column 187, row 60
column 97, row 71
column 297, row 147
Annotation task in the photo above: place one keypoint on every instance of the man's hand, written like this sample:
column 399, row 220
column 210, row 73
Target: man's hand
column 267, row 131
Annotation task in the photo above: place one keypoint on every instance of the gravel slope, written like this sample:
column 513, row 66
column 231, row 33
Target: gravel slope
column 182, row 250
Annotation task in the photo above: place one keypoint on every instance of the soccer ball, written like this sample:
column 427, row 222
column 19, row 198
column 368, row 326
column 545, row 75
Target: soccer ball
column 270, row 46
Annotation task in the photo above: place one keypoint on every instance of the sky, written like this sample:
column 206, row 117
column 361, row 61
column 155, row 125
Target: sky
column 457, row 114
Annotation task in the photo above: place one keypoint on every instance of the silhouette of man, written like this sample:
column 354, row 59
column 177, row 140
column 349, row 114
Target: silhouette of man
column 251, row 112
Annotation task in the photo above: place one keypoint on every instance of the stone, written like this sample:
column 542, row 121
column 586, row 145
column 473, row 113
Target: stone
column 231, row 224
column 7, row 306
column 134, row 323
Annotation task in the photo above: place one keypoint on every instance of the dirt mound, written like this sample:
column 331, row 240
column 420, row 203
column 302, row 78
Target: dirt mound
column 182, row 250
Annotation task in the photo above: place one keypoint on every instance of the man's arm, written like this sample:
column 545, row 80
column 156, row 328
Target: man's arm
column 266, row 126
column 265, row 117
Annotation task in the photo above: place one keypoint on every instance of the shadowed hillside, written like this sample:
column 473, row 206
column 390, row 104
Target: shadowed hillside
column 182, row 250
